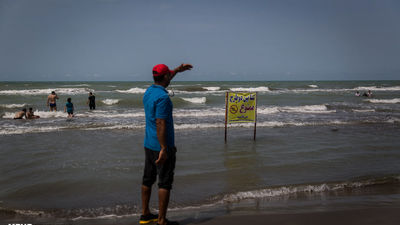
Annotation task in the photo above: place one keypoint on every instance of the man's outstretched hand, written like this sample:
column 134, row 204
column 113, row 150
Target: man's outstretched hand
column 183, row 67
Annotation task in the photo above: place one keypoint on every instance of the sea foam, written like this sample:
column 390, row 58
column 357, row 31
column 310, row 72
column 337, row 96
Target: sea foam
column 110, row 101
column 305, row 188
column 76, row 85
column 10, row 106
column 375, row 88
column 42, row 114
column 251, row 89
column 64, row 91
column 213, row 112
column 132, row 91
column 12, row 130
column 385, row 101
column 24, row 130
column 200, row 100
column 212, row 88
column 295, row 109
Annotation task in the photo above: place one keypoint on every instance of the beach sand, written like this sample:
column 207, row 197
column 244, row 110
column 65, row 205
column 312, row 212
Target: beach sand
column 384, row 215
column 376, row 216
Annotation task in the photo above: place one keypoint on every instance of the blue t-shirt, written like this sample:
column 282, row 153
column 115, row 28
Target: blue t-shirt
column 70, row 107
column 157, row 105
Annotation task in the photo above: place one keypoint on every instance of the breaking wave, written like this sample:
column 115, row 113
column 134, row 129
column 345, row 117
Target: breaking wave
column 65, row 91
column 199, row 113
column 252, row 89
column 200, row 100
column 375, row 88
column 42, row 114
column 309, row 109
column 212, row 88
column 25, row 130
column 76, row 85
column 10, row 106
column 363, row 110
column 12, row 130
column 296, row 109
column 384, row 101
column 132, row 91
column 309, row 188
column 335, row 90
column 110, row 101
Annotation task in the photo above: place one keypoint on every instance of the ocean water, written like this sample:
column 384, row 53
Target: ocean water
column 318, row 145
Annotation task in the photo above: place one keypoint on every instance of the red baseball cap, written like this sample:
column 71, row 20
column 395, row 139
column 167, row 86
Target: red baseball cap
column 161, row 69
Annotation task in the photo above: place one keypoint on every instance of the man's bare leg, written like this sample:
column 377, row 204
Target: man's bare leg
column 146, row 194
column 163, row 199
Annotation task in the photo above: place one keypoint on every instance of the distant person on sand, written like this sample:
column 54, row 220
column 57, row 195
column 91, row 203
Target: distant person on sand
column 30, row 114
column 91, row 101
column 51, row 101
column 21, row 114
column 69, row 108
column 159, row 143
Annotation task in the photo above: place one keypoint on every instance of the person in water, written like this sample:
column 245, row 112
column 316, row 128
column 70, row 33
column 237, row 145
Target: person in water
column 30, row 114
column 357, row 93
column 69, row 108
column 51, row 101
column 21, row 114
column 91, row 101
column 368, row 94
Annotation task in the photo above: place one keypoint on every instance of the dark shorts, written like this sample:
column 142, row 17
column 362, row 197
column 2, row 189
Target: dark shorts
column 70, row 112
column 92, row 106
column 165, row 171
column 53, row 105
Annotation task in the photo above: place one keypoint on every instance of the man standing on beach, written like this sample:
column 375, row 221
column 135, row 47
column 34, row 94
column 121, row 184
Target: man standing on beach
column 159, row 143
column 51, row 101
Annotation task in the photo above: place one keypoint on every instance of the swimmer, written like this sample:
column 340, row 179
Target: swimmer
column 21, row 114
column 51, row 101
column 69, row 108
column 30, row 114
column 91, row 101
column 369, row 94
column 357, row 93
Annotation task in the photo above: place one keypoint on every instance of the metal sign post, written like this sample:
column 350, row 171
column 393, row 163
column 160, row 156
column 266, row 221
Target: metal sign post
column 226, row 114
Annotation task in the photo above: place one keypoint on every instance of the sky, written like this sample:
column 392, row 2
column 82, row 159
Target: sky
column 121, row 40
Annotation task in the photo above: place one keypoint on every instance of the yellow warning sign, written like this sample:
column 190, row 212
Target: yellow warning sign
column 241, row 107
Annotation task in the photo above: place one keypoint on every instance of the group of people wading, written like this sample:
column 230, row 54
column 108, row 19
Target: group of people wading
column 52, row 104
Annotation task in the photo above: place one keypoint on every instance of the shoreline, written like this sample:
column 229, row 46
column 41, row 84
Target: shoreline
column 372, row 215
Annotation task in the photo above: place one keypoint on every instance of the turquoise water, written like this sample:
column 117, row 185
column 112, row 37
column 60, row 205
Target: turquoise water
column 315, row 141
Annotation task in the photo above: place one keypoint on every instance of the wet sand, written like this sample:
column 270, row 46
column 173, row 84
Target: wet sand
column 378, row 216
